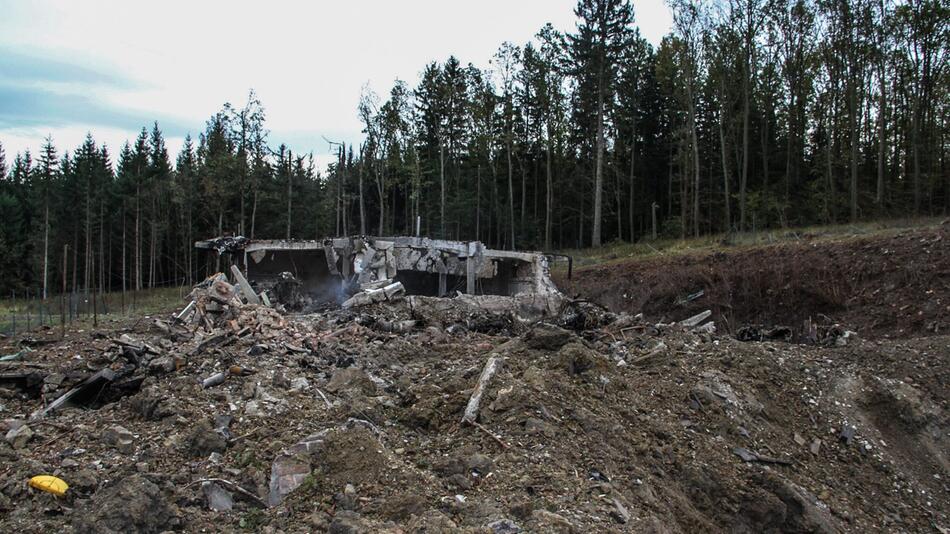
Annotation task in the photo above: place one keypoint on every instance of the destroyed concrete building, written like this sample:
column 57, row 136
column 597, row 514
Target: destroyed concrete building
column 311, row 273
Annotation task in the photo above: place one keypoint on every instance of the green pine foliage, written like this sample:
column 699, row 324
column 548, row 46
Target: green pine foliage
column 749, row 115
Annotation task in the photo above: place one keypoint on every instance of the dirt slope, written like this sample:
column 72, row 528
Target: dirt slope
column 895, row 285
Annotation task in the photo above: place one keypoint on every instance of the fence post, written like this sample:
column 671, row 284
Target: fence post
column 62, row 298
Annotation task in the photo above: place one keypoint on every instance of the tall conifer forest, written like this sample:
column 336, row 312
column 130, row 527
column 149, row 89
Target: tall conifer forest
column 750, row 114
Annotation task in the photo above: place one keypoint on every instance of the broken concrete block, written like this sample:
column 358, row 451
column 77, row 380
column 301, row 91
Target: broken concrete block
column 292, row 467
column 844, row 339
column 245, row 286
column 161, row 365
column 372, row 296
column 287, row 473
column 19, row 436
column 203, row 439
column 547, row 337
column 120, row 438
column 299, row 384
column 219, row 499
column 504, row 526
column 253, row 409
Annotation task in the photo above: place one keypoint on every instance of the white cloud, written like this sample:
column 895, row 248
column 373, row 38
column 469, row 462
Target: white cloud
column 306, row 60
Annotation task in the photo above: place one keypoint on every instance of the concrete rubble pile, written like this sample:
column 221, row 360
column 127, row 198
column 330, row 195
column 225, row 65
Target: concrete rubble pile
column 397, row 410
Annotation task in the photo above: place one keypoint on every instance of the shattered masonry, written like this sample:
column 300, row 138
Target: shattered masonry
column 334, row 269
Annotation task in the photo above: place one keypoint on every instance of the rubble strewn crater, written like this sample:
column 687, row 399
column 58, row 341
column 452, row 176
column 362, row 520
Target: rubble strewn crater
column 479, row 413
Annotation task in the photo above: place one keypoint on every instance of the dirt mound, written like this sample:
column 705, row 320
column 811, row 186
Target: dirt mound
column 880, row 286
column 614, row 424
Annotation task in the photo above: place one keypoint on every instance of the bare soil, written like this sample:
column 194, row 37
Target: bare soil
column 619, row 424
column 891, row 285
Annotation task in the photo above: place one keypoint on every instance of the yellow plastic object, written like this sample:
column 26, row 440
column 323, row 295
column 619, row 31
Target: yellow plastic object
column 50, row 484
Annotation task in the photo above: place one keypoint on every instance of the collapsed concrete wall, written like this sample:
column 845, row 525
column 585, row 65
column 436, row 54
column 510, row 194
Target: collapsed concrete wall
column 331, row 270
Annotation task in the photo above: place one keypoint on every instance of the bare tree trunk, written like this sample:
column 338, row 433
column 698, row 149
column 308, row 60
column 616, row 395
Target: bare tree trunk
column 881, row 133
column 138, row 238
column 727, row 216
column 88, row 253
column 382, row 198
column 478, row 202
column 744, row 180
column 102, row 263
column 853, row 124
column 217, row 261
column 241, row 187
column 254, row 213
column 696, row 174
column 417, row 186
column 618, row 186
column 580, row 233
column 669, row 182
column 360, row 183
column 290, row 197
column 511, row 194
column 524, row 189
column 124, row 270
column 62, row 300
column 830, row 174
column 152, row 245
column 789, row 142
column 765, row 155
column 75, row 260
column 441, row 189
column 339, row 193
column 548, row 195
column 684, row 184
column 915, row 147
column 695, row 147
column 633, row 160
column 45, row 249
column 599, row 169
column 190, row 243
column 492, row 205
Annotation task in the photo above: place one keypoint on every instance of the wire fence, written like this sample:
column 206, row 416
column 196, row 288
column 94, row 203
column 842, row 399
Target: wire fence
column 27, row 310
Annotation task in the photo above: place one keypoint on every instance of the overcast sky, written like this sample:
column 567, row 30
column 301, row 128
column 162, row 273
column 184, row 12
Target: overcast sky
column 109, row 67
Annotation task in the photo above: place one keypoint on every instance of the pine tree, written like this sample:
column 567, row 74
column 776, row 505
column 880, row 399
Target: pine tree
column 603, row 34
column 158, row 174
column 47, row 174
column 507, row 59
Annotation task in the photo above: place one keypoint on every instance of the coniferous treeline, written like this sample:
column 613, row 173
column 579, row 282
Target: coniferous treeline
column 130, row 221
column 750, row 114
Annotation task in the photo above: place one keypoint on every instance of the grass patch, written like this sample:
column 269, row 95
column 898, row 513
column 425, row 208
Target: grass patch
column 618, row 252
column 24, row 313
